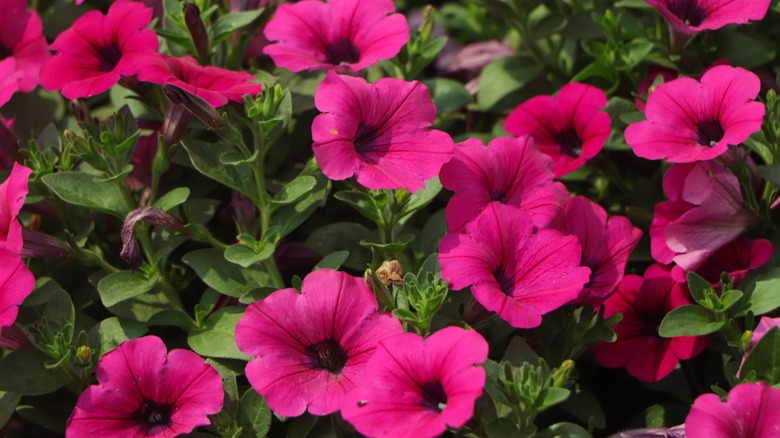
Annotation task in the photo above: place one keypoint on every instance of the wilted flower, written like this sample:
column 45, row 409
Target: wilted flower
column 152, row 215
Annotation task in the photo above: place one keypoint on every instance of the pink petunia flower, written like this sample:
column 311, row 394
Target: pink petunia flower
column 693, row 16
column 378, row 132
column 510, row 171
column 98, row 49
column 606, row 243
column 417, row 387
column 570, row 127
column 644, row 302
column 9, row 80
column 311, row 347
column 145, row 391
column 22, row 39
column 705, row 211
column 213, row 84
column 13, row 192
column 142, row 161
column 338, row 35
column 749, row 412
column 737, row 258
column 764, row 325
column 690, row 121
column 513, row 270
column 16, row 283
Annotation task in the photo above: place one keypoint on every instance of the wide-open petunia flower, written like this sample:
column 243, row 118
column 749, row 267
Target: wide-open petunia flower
column 145, row 391
column 213, row 84
column 16, row 283
column 417, row 387
column 311, row 347
column 749, row 412
column 570, row 127
column 98, row 49
column 9, row 80
column 339, row 35
column 378, row 132
column 705, row 211
column 644, row 302
column 13, row 192
column 510, row 171
column 737, row 258
column 513, row 270
column 691, row 121
column 22, row 39
column 606, row 243
column 692, row 16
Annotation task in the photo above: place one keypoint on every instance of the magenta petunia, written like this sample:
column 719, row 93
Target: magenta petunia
column 749, row 412
column 142, row 161
column 378, row 132
column 22, row 39
column 16, row 283
column 691, row 121
column 417, row 387
column 98, row 49
column 606, row 243
column 311, row 348
column 145, row 391
column 13, row 192
column 510, row 171
column 644, row 302
column 513, row 269
column 213, row 84
column 737, row 258
column 9, row 80
column 339, row 35
column 705, row 211
column 570, row 127
column 692, row 16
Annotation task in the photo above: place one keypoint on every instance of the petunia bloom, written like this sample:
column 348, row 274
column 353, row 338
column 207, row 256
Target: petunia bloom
column 143, row 390
column 737, row 258
column 98, row 49
column 693, row 16
column 644, row 302
column 705, row 211
column 570, row 127
column 510, row 171
column 513, row 270
column 9, row 80
column 606, row 243
column 22, row 39
column 417, row 387
column 311, row 348
column 691, row 121
column 749, row 412
column 16, row 283
column 339, row 35
column 213, row 84
column 13, row 192
column 378, row 132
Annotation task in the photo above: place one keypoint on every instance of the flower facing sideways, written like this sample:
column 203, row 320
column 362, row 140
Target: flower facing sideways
column 339, row 35
column 416, row 387
column 16, row 283
column 378, row 132
column 22, row 39
column 749, row 412
column 145, row 391
column 13, row 192
column 692, row 16
column 311, row 347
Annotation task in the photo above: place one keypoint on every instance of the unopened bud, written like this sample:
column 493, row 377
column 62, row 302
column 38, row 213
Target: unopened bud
column 81, row 112
column 38, row 244
column 200, row 37
column 428, row 24
column 83, row 353
column 561, row 374
column 202, row 110
column 177, row 118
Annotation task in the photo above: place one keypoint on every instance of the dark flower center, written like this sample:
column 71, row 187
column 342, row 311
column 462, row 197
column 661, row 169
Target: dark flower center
column 434, row 397
column 709, row 132
column 109, row 56
column 652, row 322
column 5, row 52
column 505, row 281
column 570, row 142
column 498, row 195
column 153, row 415
column 365, row 135
column 327, row 355
column 342, row 52
column 689, row 12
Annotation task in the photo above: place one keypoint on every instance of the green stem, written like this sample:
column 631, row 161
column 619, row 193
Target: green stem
column 273, row 270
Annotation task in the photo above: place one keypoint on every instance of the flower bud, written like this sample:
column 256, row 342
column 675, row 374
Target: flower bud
column 200, row 37
column 202, row 110
column 152, row 215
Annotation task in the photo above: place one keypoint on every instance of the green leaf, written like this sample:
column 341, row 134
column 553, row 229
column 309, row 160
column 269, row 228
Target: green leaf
column 447, row 95
column 111, row 332
column 743, row 50
column 405, row 315
column 295, row 189
column 339, row 236
column 503, row 80
column 288, row 217
column 550, row 24
column 8, row 403
column 245, row 256
column 206, row 158
column 698, row 285
column 60, row 314
column 689, row 320
column 30, row 376
column 173, row 198
column 730, row 297
column 362, row 202
column 123, row 285
column 585, row 406
column 333, row 260
column 227, row 24
column 564, row 430
column 502, row 428
column 224, row 276
column 763, row 291
column 79, row 188
column 301, row 426
column 770, row 172
column 764, row 359
column 399, row 245
column 549, row 397
column 172, row 318
column 599, row 73
column 634, row 52
column 421, row 198
column 217, row 337
column 254, row 415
